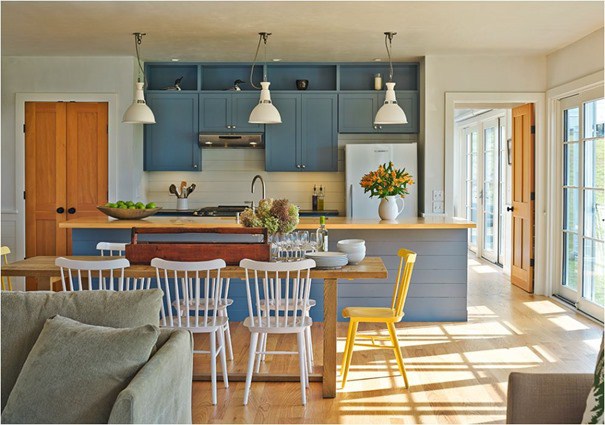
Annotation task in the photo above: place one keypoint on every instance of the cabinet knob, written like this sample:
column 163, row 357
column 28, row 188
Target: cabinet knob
column 194, row 165
column 303, row 166
column 380, row 127
column 375, row 127
column 72, row 210
column 228, row 126
column 60, row 210
column 298, row 166
column 232, row 126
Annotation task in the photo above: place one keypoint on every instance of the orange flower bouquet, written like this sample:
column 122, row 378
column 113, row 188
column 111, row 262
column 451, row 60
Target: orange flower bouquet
column 387, row 181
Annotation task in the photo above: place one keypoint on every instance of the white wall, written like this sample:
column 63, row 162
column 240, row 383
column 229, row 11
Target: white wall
column 467, row 74
column 581, row 58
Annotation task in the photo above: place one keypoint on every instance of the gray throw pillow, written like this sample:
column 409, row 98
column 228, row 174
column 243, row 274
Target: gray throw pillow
column 24, row 315
column 75, row 372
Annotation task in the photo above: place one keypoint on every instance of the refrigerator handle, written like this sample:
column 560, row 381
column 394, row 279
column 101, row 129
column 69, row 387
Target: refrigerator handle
column 351, row 199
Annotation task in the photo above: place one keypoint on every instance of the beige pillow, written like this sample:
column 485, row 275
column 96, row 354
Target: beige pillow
column 75, row 372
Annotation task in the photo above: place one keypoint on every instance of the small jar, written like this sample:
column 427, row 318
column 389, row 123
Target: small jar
column 377, row 82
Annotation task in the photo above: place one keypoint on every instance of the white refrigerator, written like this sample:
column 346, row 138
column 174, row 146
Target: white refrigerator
column 363, row 158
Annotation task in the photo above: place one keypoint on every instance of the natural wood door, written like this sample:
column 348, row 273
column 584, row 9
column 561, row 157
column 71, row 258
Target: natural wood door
column 86, row 171
column 65, row 170
column 522, row 273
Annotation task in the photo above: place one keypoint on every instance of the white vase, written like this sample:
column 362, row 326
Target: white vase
column 388, row 208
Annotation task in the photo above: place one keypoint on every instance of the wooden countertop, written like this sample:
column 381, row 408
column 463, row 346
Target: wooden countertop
column 305, row 223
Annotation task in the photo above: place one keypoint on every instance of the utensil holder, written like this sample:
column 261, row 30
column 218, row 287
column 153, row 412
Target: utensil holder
column 182, row 204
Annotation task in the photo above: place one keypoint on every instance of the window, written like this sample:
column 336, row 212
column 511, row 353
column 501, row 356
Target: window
column 583, row 202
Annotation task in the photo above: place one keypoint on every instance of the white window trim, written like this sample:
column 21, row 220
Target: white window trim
column 555, row 156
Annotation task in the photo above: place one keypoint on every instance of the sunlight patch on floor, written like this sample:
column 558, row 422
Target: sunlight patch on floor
column 544, row 307
column 595, row 344
column 483, row 269
column 568, row 323
column 481, row 330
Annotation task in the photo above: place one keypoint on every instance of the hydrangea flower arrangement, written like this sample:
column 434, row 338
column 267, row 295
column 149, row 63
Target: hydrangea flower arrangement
column 278, row 216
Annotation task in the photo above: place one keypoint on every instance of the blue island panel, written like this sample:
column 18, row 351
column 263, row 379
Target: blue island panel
column 438, row 292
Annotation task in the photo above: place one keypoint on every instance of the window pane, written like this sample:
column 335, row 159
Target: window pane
column 594, row 271
column 570, row 209
column 594, row 163
column 594, row 118
column 570, row 261
column 571, row 153
column 489, row 230
column 594, row 214
column 571, row 125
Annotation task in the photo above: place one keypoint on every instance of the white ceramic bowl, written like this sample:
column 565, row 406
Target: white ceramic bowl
column 352, row 242
column 354, row 253
column 356, row 257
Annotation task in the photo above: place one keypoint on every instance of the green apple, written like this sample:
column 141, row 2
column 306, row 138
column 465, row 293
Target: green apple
column 140, row 206
column 151, row 205
column 132, row 207
column 122, row 206
column 130, row 203
column 111, row 205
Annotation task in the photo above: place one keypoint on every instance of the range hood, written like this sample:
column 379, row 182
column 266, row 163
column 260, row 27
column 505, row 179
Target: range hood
column 250, row 141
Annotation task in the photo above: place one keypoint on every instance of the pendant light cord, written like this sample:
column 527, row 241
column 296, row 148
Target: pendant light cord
column 138, row 39
column 388, row 38
column 262, row 37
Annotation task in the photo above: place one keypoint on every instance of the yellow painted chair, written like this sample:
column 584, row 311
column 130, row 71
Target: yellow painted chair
column 6, row 280
column 386, row 315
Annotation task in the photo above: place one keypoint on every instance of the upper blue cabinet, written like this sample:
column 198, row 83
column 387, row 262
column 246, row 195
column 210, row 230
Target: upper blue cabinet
column 307, row 138
column 171, row 144
column 228, row 112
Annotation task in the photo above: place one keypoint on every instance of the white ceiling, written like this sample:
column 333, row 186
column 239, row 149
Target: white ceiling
column 302, row 31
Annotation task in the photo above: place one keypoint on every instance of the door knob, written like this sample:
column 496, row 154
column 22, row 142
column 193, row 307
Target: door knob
column 71, row 210
column 60, row 210
column 510, row 208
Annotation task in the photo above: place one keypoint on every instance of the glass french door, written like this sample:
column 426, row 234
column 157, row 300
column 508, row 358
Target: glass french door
column 485, row 186
column 583, row 202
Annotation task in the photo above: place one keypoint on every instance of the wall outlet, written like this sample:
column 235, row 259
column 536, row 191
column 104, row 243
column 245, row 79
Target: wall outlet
column 438, row 207
column 438, row 196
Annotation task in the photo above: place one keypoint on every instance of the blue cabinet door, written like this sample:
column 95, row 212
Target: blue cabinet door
column 215, row 112
column 242, row 105
column 319, row 147
column 171, row 144
column 282, row 141
column 356, row 112
column 408, row 100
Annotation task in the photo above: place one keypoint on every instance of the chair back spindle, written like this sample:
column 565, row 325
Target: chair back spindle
column 407, row 259
column 108, row 273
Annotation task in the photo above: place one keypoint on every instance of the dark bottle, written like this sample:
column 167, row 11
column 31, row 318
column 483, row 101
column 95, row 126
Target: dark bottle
column 314, row 198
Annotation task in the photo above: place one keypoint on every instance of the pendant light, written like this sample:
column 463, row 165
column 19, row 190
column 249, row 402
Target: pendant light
column 265, row 112
column 390, row 112
column 139, row 112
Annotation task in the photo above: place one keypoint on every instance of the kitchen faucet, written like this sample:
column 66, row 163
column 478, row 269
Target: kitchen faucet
column 259, row 177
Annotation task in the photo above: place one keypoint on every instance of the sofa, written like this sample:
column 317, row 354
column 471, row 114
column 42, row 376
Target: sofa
column 547, row 398
column 160, row 391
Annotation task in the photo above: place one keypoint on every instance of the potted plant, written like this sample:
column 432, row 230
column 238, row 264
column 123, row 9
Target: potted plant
column 390, row 185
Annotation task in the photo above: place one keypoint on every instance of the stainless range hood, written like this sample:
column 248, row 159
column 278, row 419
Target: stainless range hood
column 251, row 141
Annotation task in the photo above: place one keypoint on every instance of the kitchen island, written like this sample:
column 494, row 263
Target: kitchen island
column 438, row 291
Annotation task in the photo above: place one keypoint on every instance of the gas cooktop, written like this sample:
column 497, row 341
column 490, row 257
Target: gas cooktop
column 220, row 211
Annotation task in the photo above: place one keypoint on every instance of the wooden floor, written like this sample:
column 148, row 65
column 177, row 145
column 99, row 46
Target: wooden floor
column 458, row 371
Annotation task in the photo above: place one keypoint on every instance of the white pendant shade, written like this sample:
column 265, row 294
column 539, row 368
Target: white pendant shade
column 265, row 112
column 138, row 112
column 390, row 112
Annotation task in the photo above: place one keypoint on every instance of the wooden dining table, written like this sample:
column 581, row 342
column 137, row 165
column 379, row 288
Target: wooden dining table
column 44, row 270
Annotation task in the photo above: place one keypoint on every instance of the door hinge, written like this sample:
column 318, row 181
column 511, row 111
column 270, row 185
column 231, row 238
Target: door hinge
column 23, row 128
column 23, row 194
column 533, row 129
column 531, row 262
column 532, row 196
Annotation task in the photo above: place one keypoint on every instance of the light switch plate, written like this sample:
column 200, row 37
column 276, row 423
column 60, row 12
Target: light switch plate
column 437, row 195
column 438, row 207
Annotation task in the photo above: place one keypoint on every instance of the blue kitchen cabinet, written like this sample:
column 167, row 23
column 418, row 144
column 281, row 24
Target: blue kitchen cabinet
column 282, row 141
column 307, row 138
column 228, row 112
column 171, row 144
column 357, row 111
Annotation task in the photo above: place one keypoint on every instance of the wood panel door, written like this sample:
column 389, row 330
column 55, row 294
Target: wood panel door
column 45, row 190
column 522, row 273
column 66, row 170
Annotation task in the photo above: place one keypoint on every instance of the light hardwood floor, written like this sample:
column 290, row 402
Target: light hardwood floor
column 458, row 371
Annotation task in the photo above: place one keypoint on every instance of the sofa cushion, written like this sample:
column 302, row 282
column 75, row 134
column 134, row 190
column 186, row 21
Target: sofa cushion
column 75, row 372
column 23, row 315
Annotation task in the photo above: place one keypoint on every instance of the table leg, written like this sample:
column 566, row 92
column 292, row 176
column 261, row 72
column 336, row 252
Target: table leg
column 329, row 360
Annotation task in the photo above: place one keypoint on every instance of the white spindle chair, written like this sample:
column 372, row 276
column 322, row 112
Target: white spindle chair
column 195, row 284
column 268, row 284
column 110, row 274
column 118, row 249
